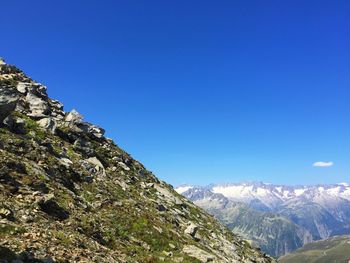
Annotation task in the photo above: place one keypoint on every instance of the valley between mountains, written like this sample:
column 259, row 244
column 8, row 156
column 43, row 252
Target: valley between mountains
column 279, row 219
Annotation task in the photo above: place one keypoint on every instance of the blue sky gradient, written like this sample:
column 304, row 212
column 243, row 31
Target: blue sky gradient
column 199, row 91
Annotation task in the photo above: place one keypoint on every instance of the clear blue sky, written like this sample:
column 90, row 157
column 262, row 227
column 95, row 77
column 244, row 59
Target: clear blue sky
column 199, row 91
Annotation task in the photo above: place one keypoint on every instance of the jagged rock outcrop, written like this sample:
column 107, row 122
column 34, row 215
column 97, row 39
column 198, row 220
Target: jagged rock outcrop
column 69, row 194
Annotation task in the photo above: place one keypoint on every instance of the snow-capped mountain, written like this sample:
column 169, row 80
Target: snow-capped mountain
column 269, row 196
column 273, row 196
column 320, row 211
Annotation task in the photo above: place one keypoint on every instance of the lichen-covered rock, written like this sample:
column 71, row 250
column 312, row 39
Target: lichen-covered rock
column 68, row 194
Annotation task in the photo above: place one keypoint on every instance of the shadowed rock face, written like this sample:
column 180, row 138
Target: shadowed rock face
column 51, row 208
column 69, row 194
column 8, row 101
column 9, row 256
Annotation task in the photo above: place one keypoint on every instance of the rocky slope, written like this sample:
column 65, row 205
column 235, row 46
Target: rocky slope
column 334, row 249
column 300, row 214
column 69, row 194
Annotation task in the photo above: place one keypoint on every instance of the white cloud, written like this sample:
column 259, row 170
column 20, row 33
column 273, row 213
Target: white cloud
column 323, row 164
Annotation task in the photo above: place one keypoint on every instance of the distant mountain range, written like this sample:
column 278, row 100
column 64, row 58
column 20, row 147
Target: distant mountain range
column 277, row 218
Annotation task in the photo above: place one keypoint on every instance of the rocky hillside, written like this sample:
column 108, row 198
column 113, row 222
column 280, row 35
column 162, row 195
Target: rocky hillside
column 69, row 194
column 334, row 249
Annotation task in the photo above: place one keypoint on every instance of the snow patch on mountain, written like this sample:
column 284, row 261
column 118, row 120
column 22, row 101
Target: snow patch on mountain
column 182, row 189
column 271, row 196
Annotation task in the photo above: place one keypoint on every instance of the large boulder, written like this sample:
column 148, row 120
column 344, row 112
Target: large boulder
column 200, row 254
column 74, row 117
column 8, row 101
column 48, row 123
column 37, row 100
column 191, row 229
column 15, row 124
column 94, row 130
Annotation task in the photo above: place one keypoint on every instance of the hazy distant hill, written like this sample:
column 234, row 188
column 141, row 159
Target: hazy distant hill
column 278, row 218
column 332, row 250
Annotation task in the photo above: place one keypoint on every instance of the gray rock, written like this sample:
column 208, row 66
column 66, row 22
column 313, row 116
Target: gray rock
column 57, row 105
column 191, row 229
column 167, row 195
column 57, row 110
column 96, row 162
column 84, row 146
column 66, row 162
column 124, row 166
column 48, row 123
column 97, row 169
column 5, row 213
column 38, row 106
column 22, row 87
column 199, row 254
column 8, row 101
column 123, row 185
column 94, row 130
column 74, row 117
column 15, row 124
column 150, row 185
